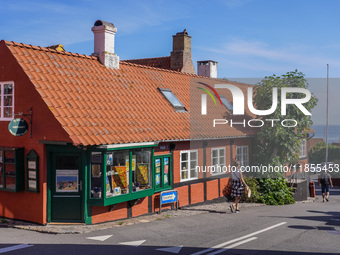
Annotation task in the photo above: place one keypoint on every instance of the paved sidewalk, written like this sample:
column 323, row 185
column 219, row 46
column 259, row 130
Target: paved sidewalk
column 218, row 207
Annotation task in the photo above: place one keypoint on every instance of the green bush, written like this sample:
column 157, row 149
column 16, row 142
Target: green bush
column 275, row 192
column 254, row 187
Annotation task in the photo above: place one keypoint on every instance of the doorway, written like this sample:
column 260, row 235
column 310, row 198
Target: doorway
column 66, row 188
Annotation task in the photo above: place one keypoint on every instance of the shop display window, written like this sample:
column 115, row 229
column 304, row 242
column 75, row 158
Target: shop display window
column 120, row 175
column 162, row 172
column 11, row 169
column 117, row 173
column 141, row 170
column 96, row 174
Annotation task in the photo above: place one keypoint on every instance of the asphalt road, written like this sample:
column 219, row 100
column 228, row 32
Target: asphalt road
column 303, row 228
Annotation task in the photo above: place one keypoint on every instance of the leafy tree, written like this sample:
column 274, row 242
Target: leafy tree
column 278, row 145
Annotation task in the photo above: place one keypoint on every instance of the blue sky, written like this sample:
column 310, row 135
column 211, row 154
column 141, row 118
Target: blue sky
column 248, row 38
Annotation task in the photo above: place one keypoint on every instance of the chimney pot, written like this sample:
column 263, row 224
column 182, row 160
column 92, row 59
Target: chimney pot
column 207, row 68
column 104, row 39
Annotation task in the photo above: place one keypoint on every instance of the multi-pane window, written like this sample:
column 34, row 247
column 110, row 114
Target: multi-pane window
column 189, row 161
column 303, row 148
column 12, row 169
column 6, row 100
column 218, row 159
column 242, row 155
column 118, row 167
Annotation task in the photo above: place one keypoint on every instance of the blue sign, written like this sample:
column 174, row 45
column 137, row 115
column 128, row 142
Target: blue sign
column 169, row 196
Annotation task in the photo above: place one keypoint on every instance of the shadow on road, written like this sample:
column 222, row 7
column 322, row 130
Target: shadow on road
column 204, row 210
column 70, row 249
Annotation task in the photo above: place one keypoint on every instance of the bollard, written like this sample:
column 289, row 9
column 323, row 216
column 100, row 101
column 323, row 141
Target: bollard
column 312, row 189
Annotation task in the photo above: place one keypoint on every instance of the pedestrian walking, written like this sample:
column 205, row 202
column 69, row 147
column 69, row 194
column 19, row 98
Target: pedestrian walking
column 238, row 185
column 325, row 181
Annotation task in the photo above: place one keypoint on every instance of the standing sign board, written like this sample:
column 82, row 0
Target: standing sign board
column 32, row 174
column 167, row 197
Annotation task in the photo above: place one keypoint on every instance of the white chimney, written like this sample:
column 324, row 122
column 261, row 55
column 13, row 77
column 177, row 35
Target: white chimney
column 207, row 68
column 104, row 43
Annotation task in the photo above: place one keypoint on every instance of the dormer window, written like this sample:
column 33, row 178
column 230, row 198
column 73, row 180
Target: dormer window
column 173, row 100
column 6, row 100
column 226, row 103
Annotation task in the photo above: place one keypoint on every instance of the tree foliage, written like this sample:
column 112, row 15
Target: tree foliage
column 276, row 144
column 317, row 153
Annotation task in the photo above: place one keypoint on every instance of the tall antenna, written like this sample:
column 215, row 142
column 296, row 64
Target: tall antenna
column 327, row 116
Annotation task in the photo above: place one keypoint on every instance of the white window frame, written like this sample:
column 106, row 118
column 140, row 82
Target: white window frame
column 242, row 155
column 2, row 97
column 189, row 165
column 221, row 164
column 303, row 148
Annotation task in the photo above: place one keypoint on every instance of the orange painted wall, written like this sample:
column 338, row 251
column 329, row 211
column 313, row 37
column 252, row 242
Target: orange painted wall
column 197, row 193
column 141, row 207
column 103, row 214
column 223, row 184
column 27, row 205
column 183, row 195
column 212, row 190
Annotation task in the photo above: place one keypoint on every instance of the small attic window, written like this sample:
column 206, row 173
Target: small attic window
column 173, row 100
column 226, row 103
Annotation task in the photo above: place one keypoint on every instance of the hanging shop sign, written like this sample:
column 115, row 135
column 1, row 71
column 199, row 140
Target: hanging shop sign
column 18, row 127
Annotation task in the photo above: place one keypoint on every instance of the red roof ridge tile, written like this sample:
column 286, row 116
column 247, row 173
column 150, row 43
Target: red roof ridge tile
column 121, row 62
column 135, row 59
column 40, row 48
column 179, row 72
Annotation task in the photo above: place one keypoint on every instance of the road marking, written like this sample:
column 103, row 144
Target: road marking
column 15, row 247
column 238, row 239
column 99, row 238
column 175, row 249
column 233, row 246
column 133, row 243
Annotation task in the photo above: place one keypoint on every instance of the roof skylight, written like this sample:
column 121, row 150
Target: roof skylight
column 173, row 100
column 226, row 103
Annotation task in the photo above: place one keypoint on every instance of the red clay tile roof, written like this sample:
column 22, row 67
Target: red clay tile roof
column 161, row 62
column 314, row 141
column 97, row 105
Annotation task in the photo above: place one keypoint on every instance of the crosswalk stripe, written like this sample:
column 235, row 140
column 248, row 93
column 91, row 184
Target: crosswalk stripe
column 15, row 247
column 238, row 239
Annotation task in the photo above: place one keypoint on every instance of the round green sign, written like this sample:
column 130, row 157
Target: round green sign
column 18, row 127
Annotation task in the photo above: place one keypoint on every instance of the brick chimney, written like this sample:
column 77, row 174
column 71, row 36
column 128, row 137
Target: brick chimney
column 181, row 59
column 207, row 68
column 104, row 43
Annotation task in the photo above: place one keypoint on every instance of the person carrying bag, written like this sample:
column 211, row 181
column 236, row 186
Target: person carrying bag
column 238, row 187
